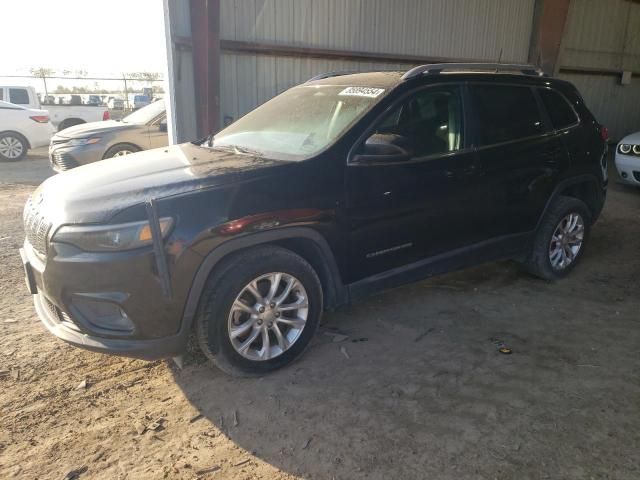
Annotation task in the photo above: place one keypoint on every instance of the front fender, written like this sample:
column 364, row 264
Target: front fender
column 254, row 239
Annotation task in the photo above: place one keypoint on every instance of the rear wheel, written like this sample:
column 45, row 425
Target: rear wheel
column 13, row 147
column 121, row 150
column 259, row 311
column 560, row 240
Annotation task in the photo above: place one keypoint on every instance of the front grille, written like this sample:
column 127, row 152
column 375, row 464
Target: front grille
column 636, row 175
column 60, row 316
column 36, row 228
column 64, row 161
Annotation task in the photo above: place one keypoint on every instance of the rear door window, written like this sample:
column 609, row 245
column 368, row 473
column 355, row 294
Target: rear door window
column 560, row 112
column 19, row 96
column 505, row 113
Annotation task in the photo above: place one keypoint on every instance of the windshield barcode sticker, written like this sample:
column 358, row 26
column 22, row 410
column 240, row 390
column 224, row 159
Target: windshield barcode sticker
column 362, row 92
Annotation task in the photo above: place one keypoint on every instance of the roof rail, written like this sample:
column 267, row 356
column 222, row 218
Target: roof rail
column 332, row 74
column 436, row 68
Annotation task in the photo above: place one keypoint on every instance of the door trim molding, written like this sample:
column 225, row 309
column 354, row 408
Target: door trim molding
column 504, row 247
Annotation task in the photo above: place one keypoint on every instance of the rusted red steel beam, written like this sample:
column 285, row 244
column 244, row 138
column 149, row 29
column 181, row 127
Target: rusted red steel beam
column 205, row 34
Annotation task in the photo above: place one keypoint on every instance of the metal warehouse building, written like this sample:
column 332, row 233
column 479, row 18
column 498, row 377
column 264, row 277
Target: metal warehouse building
column 236, row 54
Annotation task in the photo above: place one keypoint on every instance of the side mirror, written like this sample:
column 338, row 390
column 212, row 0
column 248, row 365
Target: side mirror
column 163, row 125
column 383, row 148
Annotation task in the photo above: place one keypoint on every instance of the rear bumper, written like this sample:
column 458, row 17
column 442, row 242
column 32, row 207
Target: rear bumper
column 40, row 137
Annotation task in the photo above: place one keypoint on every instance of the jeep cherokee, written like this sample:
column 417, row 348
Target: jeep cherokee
column 339, row 187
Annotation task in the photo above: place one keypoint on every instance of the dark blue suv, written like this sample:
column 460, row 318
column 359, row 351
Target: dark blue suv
column 339, row 187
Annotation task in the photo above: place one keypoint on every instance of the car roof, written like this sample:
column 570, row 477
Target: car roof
column 382, row 79
column 392, row 79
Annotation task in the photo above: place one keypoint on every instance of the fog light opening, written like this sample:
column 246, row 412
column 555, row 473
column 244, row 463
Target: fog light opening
column 103, row 316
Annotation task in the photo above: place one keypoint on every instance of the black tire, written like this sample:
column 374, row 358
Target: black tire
column 222, row 289
column 117, row 150
column 13, row 137
column 539, row 263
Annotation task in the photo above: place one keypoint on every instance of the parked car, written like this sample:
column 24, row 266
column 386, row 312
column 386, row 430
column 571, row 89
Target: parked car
column 140, row 101
column 87, row 143
column 94, row 100
column 628, row 159
column 336, row 188
column 116, row 103
column 62, row 115
column 22, row 129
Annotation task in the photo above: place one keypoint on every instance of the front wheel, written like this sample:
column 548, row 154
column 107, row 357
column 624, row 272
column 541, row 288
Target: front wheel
column 259, row 311
column 13, row 147
column 560, row 240
column 121, row 150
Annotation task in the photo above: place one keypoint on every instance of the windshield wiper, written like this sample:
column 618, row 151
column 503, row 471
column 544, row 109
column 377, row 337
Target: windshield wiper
column 238, row 150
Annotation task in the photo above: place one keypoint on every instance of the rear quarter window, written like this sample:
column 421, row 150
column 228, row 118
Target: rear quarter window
column 505, row 113
column 560, row 112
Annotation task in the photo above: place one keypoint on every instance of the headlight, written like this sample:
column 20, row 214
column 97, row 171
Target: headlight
column 110, row 238
column 624, row 148
column 628, row 148
column 83, row 141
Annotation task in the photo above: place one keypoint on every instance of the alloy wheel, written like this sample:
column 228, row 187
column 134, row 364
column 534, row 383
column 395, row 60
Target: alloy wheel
column 268, row 316
column 11, row 147
column 566, row 241
column 121, row 153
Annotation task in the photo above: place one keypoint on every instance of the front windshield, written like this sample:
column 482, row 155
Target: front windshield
column 299, row 123
column 145, row 114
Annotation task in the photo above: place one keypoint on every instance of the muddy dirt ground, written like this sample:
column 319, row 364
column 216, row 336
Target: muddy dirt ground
column 425, row 395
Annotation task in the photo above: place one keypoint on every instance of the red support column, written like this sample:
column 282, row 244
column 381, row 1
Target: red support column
column 548, row 29
column 205, row 35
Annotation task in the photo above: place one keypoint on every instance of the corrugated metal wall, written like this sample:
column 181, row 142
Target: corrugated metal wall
column 605, row 35
column 601, row 34
column 477, row 29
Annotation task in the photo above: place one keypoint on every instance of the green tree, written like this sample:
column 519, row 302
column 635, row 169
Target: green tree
column 61, row 89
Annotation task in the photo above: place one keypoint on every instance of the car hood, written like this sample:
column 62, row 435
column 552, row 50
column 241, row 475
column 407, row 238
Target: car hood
column 94, row 128
column 634, row 139
column 94, row 193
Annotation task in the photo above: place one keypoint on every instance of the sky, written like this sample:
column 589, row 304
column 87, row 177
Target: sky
column 104, row 38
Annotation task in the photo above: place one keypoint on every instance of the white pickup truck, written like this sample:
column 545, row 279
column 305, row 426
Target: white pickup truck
column 62, row 116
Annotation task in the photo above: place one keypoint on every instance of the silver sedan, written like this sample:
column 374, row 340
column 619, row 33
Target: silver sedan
column 90, row 142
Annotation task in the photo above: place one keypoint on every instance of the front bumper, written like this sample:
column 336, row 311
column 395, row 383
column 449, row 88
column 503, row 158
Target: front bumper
column 76, row 300
column 64, row 157
column 65, row 330
column 628, row 167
